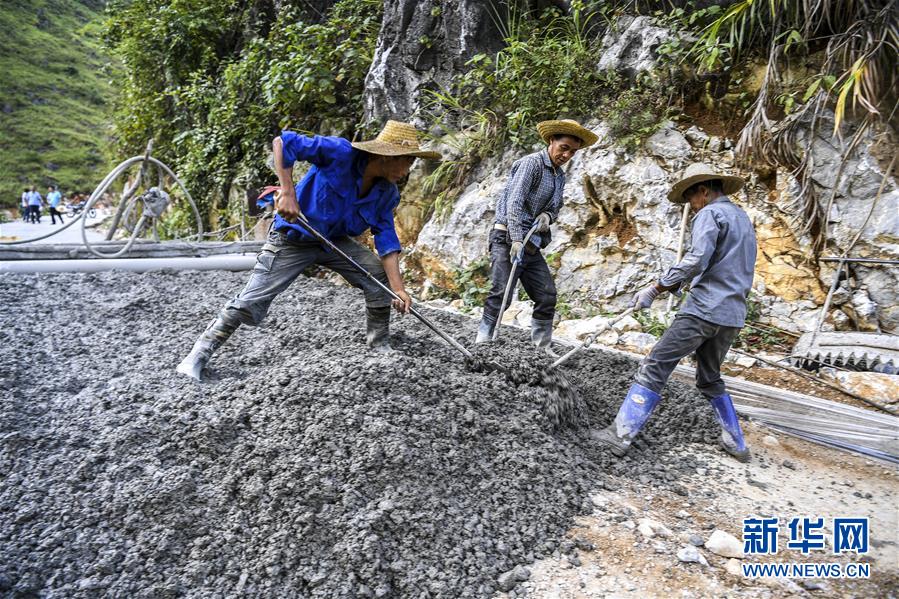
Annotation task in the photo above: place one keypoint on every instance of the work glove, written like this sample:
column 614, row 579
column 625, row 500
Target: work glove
column 543, row 222
column 644, row 299
column 515, row 250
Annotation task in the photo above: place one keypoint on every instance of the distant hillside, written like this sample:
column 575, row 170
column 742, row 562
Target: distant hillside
column 54, row 96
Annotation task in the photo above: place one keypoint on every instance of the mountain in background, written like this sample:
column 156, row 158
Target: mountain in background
column 55, row 96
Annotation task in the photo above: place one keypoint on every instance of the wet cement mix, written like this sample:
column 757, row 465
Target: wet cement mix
column 308, row 466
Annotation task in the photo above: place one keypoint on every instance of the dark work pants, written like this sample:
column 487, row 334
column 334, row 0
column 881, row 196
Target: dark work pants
column 280, row 262
column 686, row 335
column 533, row 273
column 54, row 213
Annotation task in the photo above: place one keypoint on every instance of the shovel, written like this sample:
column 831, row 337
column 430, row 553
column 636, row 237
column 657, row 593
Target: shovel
column 509, row 284
column 589, row 340
column 455, row 344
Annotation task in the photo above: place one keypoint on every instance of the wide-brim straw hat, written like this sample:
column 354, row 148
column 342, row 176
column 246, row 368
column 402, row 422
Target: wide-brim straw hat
column 396, row 139
column 547, row 129
column 697, row 173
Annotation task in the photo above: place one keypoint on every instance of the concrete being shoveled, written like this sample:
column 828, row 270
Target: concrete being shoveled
column 306, row 466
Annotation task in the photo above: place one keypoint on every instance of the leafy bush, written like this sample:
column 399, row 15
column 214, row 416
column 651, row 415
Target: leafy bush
column 213, row 83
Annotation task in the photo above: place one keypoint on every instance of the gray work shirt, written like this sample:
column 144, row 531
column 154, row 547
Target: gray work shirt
column 721, row 264
column 534, row 186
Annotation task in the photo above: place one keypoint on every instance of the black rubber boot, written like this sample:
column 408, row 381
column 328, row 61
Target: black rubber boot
column 485, row 330
column 542, row 336
column 377, row 334
column 218, row 331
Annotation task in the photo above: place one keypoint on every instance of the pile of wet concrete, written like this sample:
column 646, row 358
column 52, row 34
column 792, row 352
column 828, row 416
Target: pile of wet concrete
column 307, row 467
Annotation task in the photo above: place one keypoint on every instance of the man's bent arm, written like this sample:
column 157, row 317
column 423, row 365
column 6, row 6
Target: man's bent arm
column 391, row 263
column 286, row 205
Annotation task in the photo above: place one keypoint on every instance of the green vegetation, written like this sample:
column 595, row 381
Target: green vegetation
column 214, row 82
column 54, row 96
column 546, row 70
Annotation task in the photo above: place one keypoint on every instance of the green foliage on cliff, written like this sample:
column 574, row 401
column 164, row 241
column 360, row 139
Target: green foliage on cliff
column 54, row 94
column 214, row 82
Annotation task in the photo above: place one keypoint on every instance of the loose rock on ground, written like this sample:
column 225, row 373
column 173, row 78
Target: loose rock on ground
column 306, row 467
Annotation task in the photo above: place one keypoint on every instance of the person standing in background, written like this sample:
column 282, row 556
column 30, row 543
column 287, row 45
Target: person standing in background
column 26, row 211
column 54, row 198
column 35, row 201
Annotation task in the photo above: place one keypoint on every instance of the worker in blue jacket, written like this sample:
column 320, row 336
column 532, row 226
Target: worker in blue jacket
column 351, row 188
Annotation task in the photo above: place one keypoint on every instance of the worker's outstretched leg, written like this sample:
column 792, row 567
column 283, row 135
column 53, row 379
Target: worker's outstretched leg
column 632, row 415
column 277, row 265
column 218, row 331
column 681, row 339
column 709, row 357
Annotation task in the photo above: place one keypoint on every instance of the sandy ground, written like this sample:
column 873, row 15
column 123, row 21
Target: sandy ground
column 309, row 467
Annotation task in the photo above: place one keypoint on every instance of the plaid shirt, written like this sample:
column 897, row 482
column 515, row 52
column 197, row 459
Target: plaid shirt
column 534, row 186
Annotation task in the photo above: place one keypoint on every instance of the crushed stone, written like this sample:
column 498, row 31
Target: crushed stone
column 307, row 466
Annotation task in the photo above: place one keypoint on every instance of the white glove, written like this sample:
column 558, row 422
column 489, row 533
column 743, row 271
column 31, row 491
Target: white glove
column 543, row 222
column 644, row 299
column 515, row 250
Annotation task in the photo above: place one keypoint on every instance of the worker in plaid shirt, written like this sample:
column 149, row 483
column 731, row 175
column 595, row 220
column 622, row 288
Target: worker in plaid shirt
column 532, row 195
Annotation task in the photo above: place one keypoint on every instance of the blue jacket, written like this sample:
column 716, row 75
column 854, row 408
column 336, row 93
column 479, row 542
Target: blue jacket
column 329, row 193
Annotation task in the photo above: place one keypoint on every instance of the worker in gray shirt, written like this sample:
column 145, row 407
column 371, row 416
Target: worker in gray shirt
column 720, row 264
column 532, row 195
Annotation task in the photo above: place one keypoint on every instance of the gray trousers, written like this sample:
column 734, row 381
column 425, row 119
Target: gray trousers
column 280, row 262
column 686, row 335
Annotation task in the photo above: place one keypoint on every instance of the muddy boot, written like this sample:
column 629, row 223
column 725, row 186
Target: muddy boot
column 632, row 415
column 485, row 330
column 377, row 335
column 212, row 338
column 731, row 434
column 542, row 336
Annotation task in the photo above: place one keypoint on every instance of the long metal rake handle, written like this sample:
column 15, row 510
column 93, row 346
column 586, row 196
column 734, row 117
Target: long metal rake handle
column 589, row 340
column 515, row 262
column 387, row 289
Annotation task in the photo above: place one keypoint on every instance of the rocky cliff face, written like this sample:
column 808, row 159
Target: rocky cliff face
column 617, row 230
column 421, row 46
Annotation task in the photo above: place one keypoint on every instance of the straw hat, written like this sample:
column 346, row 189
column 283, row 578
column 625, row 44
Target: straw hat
column 396, row 139
column 697, row 173
column 547, row 129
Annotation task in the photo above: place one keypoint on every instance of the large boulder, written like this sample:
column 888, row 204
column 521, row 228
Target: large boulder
column 631, row 45
column 421, row 46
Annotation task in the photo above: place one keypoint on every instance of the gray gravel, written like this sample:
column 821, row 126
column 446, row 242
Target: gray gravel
column 308, row 467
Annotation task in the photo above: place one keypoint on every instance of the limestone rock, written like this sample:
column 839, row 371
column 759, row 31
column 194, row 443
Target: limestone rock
column 626, row 324
column 696, row 136
column 865, row 311
column 724, row 544
column 420, row 48
column 650, row 528
column 578, row 329
column 690, row 554
column 631, row 46
column 668, row 143
column 880, row 387
column 841, row 322
column 641, row 343
column 733, row 567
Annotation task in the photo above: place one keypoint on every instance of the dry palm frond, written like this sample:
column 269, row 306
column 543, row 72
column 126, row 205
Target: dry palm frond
column 858, row 78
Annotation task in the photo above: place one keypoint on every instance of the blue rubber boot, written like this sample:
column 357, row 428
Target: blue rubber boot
column 731, row 434
column 632, row 415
